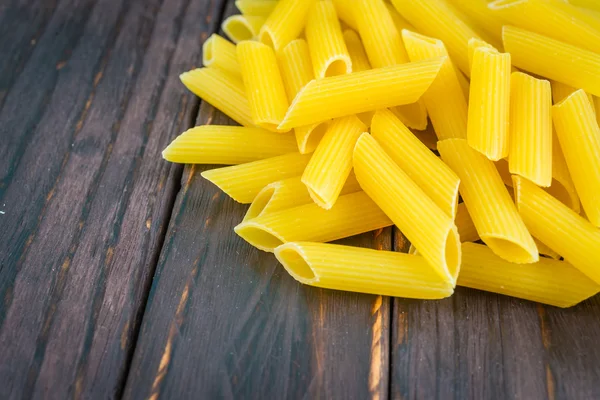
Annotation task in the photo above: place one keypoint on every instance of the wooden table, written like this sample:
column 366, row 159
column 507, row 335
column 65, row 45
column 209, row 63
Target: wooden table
column 120, row 275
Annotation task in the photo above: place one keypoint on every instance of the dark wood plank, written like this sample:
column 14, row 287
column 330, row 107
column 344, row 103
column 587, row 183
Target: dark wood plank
column 225, row 320
column 86, row 204
column 478, row 345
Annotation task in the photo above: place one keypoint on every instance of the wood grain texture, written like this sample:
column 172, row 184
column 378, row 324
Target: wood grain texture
column 478, row 345
column 85, row 201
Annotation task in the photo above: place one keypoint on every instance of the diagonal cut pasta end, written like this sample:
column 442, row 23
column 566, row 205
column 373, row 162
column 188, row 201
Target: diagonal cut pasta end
column 259, row 236
column 292, row 258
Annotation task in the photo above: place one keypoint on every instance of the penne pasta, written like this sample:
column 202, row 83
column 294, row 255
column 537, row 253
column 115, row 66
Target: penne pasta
column 345, row 11
column 398, row 19
column 579, row 137
column 419, row 218
column 437, row 19
column 489, row 103
column 530, row 152
column 553, row 59
column 474, row 44
column 444, row 99
column 489, row 203
column 352, row 214
column 434, row 177
column 547, row 281
column 285, row 23
column 560, row 91
column 289, row 193
column 562, row 187
column 241, row 27
column 383, row 44
column 214, row 144
column 559, row 227
column 481, row 17
column 261, row 8
column 387, row 273
column 221, row 90
column 243, row 182
column 464, row 224
column 359, row 92
column 219, row 53
column 328, row 50
column 331, row 162
column 358, row 54
column 550, row 18
column 264, row 86
column 296, row 71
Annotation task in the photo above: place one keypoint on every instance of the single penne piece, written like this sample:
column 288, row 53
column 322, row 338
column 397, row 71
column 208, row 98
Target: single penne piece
column 345, row 11
column 221, row 90
column 331, row 162
column 243, row 182
column 437, row 19
column 474, row 44
column 489, row 103
column 434, row 177
column 289, row 193
column 547, row 281
column 352, row 214
column 264, row 86
column 261, row 8
column 559, row 227
column 358, row 92
column 530, row 153
column 285, row 23
column 550, row 18
column 553, row 59
column 481, row 17
column 579, row 137
column 489, row 203
column 296, row 71
column 444, row 100
column 355, row 269
column 383, row 44
column 215, row 144
column 356, row 50
column 464, row 224
column 328, row 50
column 427, row 226
column 242, row 27
column 562, row 187
column 218, row 52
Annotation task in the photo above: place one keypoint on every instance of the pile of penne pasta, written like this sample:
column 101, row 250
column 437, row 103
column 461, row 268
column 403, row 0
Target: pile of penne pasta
column 470, row 125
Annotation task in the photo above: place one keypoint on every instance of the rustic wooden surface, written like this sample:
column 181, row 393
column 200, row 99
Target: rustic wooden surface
column 121, row 277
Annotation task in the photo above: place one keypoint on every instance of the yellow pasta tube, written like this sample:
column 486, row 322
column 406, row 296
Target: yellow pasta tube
column 434, row 177
column 474, row 44
column 419, row 218
column 562, row 187
column 264, row 86
column 296, row 71
column 559, row 227
column 214, row 144
column 218, row 52
column 489, row 203
column 530, row 152
column 357, row 51
column 489, row 103
column 358, row 92
column 547, row 281
column 437, row 19
column 549, row 18
column 243, row 182
column 386, row 273
column 289, row 193
column 331, row 162
column 221, row 90
column 261, row 8
column 464, row 224
column 352, row 214
column 328, row 50
column 579, row 137
column 242, row 27
column 553, row 59
column 345, row 11
column 444, row 99
column 285, row 23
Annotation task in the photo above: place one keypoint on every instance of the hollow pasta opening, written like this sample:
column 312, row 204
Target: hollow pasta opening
column 267, row 38
column 510, row 250
column 295, row 264
column 238, row 29
column 337, row 67
column 260, row 202
column 452, row 254
column 258, row 237
column 318, row 199
column 207, row 52
column 560, row 192
column 315, row 136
